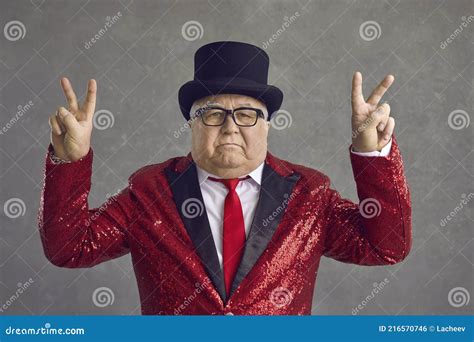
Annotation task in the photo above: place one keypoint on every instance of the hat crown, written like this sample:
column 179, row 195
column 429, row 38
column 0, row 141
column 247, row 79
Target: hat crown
column 228, row 59
column 229, row 67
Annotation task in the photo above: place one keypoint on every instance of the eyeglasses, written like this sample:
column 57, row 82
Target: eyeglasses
column 216, row 116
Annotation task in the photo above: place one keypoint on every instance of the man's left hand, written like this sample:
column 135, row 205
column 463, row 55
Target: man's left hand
column 372, row 126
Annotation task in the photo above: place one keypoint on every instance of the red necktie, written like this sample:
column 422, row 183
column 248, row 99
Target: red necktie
column 234, row 231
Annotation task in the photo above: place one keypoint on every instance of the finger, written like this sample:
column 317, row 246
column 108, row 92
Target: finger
column 53, row 123
column 357, row 97
column 378, row 92
column 89, row 103
column 389, row 128
column 383, row 123
column 68, row 119
column 69, row 93
column 60, row 123
column 380, row 115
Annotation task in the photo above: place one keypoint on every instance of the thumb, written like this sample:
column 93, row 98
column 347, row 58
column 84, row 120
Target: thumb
column 68, row 119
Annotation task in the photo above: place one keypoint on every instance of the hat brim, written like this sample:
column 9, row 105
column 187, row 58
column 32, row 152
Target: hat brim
column 194, row 90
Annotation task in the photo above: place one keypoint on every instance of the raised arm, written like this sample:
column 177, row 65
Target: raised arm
column 72, row 234
column 377, row 230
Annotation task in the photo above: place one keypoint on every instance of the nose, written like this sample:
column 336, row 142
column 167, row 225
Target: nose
column 229, row 125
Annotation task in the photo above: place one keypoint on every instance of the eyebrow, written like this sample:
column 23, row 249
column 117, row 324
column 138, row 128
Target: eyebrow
column 220, row 104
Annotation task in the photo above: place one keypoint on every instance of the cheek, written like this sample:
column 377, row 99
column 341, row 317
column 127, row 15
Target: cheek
column 203, row 139
column 257, row 140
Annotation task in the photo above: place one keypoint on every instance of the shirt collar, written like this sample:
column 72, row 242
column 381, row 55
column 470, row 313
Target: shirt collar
column 256, row 174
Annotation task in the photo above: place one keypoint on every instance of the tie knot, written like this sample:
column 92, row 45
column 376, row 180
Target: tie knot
column 230, row 183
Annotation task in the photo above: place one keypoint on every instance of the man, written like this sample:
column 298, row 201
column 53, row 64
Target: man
column 229, row 228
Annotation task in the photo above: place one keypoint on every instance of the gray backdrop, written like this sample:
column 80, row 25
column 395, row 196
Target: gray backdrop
column 315, row 47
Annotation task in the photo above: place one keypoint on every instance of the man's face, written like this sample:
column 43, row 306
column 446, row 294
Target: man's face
column 216, row 148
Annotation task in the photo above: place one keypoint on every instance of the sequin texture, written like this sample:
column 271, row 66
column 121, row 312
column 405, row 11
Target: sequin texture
column 172, row 279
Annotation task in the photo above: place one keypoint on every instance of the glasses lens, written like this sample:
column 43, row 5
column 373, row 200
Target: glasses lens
column 246, row 117
column 213, row 116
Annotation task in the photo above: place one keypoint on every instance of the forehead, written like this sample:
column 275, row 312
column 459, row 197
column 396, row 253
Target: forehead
column 231, row 99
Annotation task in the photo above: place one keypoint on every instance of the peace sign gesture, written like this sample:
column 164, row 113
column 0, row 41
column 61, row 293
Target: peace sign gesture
column 71, row 128
column 372, row 127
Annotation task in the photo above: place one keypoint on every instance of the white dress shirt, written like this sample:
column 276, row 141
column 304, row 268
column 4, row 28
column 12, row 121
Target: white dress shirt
column 214, row 194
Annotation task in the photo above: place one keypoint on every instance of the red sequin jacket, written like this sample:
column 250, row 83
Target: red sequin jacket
column 160, row 219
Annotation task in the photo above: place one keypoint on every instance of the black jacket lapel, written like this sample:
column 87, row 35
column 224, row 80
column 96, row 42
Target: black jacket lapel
column 274, row 193
column 190, row 205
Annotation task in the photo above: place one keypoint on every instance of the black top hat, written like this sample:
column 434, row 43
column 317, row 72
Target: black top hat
column 228, row 67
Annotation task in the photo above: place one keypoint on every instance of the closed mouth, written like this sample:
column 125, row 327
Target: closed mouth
column 229, row 144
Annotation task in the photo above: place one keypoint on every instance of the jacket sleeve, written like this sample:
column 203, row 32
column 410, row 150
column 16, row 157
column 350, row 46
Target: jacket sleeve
column 73, row 235
column 378, row 230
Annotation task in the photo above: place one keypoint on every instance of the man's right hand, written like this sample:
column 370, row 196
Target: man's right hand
column 71, row 128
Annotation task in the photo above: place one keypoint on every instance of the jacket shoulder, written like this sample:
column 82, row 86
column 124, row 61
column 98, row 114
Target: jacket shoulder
column 153, row 172
column 308, row 175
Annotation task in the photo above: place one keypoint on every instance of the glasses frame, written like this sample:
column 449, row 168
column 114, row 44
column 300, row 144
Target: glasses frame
column 230, row 112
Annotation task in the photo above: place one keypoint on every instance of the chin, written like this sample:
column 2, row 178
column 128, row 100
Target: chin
column 229, row 160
